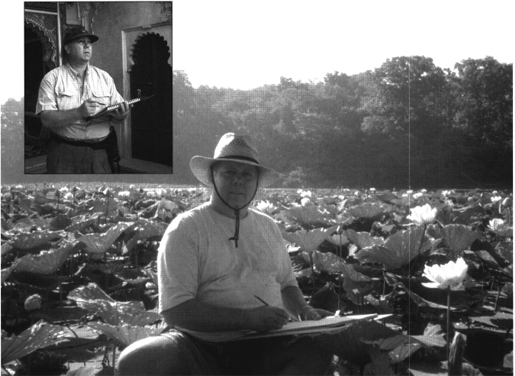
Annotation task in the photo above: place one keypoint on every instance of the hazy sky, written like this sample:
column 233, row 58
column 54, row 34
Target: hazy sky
column 245, row 44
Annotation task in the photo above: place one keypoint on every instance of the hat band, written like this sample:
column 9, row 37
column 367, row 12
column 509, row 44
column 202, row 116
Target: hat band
column 239, row 157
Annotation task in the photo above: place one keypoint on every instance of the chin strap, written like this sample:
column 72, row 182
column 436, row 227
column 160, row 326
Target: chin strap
column 236, row 211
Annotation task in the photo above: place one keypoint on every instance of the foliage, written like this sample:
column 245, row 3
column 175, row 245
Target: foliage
column 408, row 122
column 92, row 251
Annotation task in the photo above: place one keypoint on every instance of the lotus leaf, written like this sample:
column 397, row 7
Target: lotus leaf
column 81, row 222
column 398, row 250
column 125, row 334
column 90, row 291
column 38, row 336
column 118, row 313
column 308, row 217
column 355, row 284
column 346, row 345
column 33, row 239
column 325, row 262
column 355, row 341
column 46, row 262
column 165, row 209
column 6, row 248
column 307, row 240
column 338, row 239
column 381, row 305
column 100, row 243
column 367, row 210
column 327, row 298
column 144, row 229
column 60, row 222
column 5, row 274
column 351, row 274
column 459, row 237
column 26, row 204
column 403, row 352
column 108, row 206
column 363, row 239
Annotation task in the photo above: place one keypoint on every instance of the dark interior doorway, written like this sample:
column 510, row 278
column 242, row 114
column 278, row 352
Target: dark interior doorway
column 35, row 70
column 151, row 124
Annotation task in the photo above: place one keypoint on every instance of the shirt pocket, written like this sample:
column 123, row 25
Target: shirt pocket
column 64, row 99
column 102, row 97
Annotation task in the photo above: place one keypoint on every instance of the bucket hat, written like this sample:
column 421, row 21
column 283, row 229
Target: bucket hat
column 77, row 33
column 235, row 148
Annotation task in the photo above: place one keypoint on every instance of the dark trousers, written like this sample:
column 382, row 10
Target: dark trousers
column 64, row 158
column 268, row 356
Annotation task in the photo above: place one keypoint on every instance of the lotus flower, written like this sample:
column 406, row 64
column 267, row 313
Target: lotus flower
column 498, row 226
column 450, row 275
column 33, row 303
column 423, row 215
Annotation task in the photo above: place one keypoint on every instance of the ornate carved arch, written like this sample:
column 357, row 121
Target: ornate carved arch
column 135, row 44
column 45, row 26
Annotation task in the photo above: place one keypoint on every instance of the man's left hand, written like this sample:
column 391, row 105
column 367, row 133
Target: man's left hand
column 310, row 313
column 121, row 112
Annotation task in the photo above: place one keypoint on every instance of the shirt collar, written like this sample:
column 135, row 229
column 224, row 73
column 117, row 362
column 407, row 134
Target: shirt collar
column 74, row 73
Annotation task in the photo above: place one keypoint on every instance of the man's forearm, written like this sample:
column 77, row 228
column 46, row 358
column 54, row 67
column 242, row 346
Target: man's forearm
column 57, row 119
column 202, row 317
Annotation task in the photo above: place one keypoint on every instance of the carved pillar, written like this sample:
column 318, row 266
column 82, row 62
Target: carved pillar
column 45, row 26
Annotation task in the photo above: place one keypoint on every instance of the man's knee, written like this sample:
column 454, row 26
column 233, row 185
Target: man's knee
column 152, row 356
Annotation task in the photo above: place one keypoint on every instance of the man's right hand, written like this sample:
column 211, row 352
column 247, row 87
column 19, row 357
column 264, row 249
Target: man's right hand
column 88, row 107
column 265, row 318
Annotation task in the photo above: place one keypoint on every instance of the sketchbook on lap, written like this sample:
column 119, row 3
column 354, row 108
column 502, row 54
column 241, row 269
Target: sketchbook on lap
column 325, row 325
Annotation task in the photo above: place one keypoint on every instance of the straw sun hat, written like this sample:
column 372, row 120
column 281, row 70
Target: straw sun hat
column 236, row 148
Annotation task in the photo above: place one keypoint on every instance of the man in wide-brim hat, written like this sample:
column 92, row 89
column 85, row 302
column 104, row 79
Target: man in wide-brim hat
column 223, row 267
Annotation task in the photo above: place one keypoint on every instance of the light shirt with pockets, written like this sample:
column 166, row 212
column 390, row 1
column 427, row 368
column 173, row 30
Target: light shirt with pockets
column 63, row 89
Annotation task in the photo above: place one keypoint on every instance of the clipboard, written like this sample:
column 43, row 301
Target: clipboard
column 325, row 325
column 115, row 106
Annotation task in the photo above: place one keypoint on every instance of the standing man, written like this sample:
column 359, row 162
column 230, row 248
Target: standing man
column 217, row 265
column 67, row 96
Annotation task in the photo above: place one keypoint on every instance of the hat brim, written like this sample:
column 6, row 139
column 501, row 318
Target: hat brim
column 201, row 167
column 91, row 37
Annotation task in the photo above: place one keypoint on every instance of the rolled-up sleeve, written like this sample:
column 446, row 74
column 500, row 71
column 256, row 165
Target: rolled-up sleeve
column 177, row 267
column 47, row 100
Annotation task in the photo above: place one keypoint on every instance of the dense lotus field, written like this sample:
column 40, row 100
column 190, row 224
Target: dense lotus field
column 81, row 259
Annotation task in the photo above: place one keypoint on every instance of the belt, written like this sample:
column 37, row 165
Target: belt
column 94, row 145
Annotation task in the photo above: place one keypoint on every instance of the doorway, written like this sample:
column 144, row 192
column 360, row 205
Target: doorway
column 35, row 70
column 151, row 120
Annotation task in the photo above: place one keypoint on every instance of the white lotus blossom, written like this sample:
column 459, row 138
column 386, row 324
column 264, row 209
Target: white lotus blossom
column 498, row 226
column 124, row 194
column 495, row 199
column 418, row 195
column 305, row 193
column 450, row 275
column 33, row 302
column 422, row 215
column 305, row 201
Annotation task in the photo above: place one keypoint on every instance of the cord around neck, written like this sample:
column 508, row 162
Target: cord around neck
column 236, row 210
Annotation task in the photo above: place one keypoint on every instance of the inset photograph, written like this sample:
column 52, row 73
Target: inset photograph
column 98, row 88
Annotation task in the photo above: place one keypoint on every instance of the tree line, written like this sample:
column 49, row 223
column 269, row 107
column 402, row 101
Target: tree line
column 405, row 124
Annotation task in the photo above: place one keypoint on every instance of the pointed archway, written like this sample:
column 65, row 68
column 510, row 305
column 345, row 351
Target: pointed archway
column 151, row 121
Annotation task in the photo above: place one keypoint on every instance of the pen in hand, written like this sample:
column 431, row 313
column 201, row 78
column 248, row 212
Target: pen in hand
column 261, row 300
column 268, row 305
